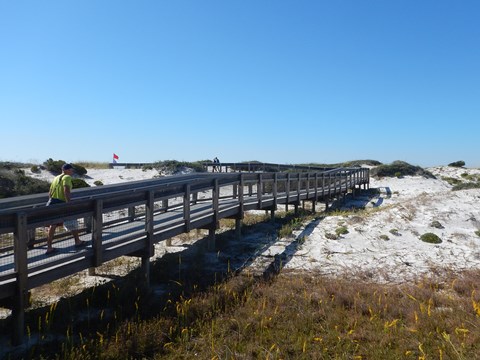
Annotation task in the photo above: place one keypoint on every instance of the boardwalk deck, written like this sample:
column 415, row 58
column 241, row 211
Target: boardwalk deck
column 130, row 219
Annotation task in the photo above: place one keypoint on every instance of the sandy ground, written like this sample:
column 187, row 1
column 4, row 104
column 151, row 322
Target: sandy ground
column 383, row 241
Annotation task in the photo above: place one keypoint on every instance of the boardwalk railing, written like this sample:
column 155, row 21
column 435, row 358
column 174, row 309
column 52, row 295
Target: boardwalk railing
column 259, row 167
column 128, row 219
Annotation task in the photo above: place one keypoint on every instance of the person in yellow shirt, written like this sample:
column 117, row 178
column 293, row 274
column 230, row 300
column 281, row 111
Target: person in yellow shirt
column 60, row 192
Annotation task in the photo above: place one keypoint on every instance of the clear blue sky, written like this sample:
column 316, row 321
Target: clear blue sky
column 269, row 80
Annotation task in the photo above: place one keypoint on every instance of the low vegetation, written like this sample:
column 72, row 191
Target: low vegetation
column 174, row 166
column 399, row 169
column 291, row 316
column 452, row 181
column 14, row 182
column 280, row 316
column 436, row 224
column 431, row 238
column 459, row 163
column 394, row 232
column 354, row 163
column 342, row 230
column 466, row 186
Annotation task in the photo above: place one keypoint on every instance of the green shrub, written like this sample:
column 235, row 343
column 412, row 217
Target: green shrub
column 54, row 166
column 35, row 169
column 400, row 168
column 342, row 230
column 457, row 164
column 79, row 169
column 175, row 166
column 98, row 183
column 331, row 236
column 79, row 183
column 430, row 238
column 398, row 174
column 477, row 232
column 436, row 224
column 16, row 183
column 7, row 186
column 394, row 232
column 384, row 237
column 452, row 181
column 466, row 186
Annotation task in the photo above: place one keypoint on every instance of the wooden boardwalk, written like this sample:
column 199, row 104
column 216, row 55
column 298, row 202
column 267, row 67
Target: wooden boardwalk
column 128, row 219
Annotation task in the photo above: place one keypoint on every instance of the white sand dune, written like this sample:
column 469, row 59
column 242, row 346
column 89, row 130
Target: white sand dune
column 372, row 248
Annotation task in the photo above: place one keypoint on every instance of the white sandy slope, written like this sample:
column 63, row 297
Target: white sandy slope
column 409, row 205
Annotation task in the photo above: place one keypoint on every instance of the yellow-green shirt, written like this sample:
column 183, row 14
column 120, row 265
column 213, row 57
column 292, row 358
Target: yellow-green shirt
column 56, row 189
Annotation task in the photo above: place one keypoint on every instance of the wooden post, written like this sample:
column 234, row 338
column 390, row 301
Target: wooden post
column 287, row 191
column 215, row 198
column 298, row 187
column 149, row 217
column 238, row 228
column 145, row 266
column 31, row 237
column 97, row 236
column 275, row 190
column 259, row 191
column 240, row 197
column 186, row 207
column 211, row 239
column 131, row 213
column 21, row 269
column 308, row 186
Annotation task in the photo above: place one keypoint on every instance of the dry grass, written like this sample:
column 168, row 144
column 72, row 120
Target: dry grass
column 290, row 316
column 304, row 316
column 93, row 164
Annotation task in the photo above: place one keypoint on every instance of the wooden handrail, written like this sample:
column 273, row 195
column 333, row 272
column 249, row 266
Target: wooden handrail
column 183, row 203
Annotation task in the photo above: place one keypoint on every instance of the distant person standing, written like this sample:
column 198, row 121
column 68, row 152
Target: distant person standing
column 215, row 161
column 60, row 192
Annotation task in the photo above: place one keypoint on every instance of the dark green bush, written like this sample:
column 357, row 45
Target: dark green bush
column 35, row 169
column 174, row 166
column 79, row 170
column 16, row 183
column 400, row 168
column 436, row 224
column 466, row 186
column 452, row 181
column 7, row 186
column 342, row 230
column 79, row 183
column 430, row 238
column 98, row 183
column 457, row 164
column 54, row 166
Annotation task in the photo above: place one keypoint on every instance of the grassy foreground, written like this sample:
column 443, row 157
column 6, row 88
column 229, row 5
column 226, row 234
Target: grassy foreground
column 304, row 316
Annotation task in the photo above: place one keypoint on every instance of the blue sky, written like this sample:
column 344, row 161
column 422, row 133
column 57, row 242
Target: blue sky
column 274, row 80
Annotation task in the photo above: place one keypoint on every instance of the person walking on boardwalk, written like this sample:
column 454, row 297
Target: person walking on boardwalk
column 60, row 192
column 215, row 161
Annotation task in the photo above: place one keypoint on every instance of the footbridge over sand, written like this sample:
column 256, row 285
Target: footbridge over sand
column 128, row 219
